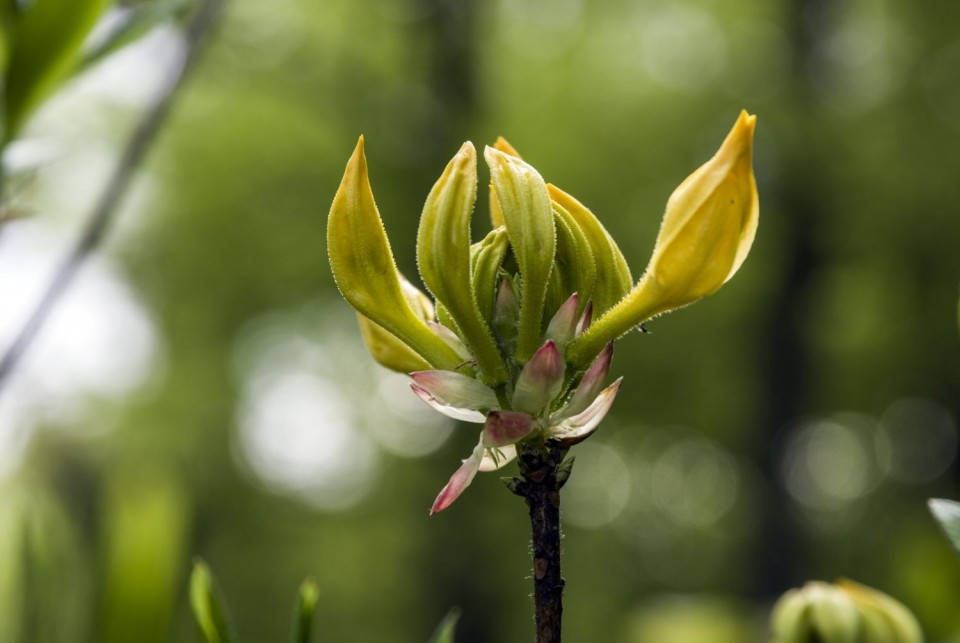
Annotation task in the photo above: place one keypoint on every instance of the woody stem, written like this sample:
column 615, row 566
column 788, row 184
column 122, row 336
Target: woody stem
column 540, row 487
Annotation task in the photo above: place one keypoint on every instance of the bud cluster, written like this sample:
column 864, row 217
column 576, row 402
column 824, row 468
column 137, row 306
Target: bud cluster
column 519, row 335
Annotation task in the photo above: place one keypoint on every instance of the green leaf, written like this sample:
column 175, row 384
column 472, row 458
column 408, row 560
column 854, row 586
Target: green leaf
column 132, row 22
column 444, row 631
column 947, row 514
column 43, row 42
column 306, row 610
column 208, row 610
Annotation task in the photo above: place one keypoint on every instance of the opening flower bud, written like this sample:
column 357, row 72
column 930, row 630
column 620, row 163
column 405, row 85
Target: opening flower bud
column 707, row 231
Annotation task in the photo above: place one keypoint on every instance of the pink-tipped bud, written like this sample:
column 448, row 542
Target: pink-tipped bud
column 455, row 389
column 585, row 319
column 590, row 385
column 506, row 427
column 563, row 327
column 578, row 428
column 455, row 412
column 459, row 481
column 506, row 312
column 541, row 379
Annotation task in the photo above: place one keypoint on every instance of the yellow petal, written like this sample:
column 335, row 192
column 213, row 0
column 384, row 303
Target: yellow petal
column 504, row 146
column 364, row 269
column 708, row 228
column 710, row 221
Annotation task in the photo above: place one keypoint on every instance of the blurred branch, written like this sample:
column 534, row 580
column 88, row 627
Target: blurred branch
column 195, row 36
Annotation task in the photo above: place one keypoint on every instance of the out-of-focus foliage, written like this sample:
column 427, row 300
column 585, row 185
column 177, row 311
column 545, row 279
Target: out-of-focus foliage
column 306, row 611
column 40, row 40
column 446, row 628
column 947, row 513
column 790, row 429
column 213, row 626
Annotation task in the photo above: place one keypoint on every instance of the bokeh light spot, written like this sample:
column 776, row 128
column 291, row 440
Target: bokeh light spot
column 922, row 440
column 599, row 490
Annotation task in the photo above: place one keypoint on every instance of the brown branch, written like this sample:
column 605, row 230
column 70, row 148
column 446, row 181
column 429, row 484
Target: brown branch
column 543, row 477
column 195, row 36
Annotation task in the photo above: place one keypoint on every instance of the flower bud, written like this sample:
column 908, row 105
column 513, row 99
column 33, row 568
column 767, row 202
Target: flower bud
column 563, row 326
column 485, row 260
column 845, row 612
column 574, row 268
column 528, row 215
column 707, row 231
column 817, row 613
column 877, row 607
column 540, row 381
column 576, row 429
column 612, row 274
column 443, row 255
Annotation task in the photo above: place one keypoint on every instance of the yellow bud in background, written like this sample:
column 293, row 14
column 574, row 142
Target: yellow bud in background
column 844, row 612
column 898, row 622
column 819, row 612
column 707, row 230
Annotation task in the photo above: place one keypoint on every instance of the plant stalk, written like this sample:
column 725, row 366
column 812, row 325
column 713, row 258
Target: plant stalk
column 540, row 487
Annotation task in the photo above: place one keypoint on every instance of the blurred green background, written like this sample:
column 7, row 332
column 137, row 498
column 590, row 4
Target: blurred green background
column 202, row 390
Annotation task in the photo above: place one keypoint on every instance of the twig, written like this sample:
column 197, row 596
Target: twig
column 542, row 479
column 195, row 36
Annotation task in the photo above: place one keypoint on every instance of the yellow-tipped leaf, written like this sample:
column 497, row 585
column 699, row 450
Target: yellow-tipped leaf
column 364, row 269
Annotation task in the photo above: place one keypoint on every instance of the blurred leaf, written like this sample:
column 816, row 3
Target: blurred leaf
column 306, row 611
column 131, row 23
column 43, row 40
column 444, row 631
column 145, row 526
column 947, row 514
column 53, row 579
column 207, row 607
